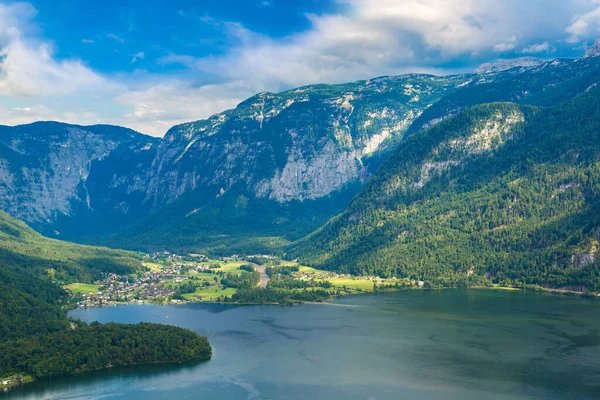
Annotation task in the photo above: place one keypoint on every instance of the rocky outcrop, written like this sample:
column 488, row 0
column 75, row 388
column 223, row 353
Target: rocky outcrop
column 504, row 65
column 593, row 50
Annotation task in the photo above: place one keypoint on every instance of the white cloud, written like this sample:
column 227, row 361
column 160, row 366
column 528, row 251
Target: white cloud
column 40, row 112
column 172, row 58
column 158, row 107
column 537, row 48
column 87, row 41
column 115, row 37
column 28, row 67
column 137, row 56
column 379, row 37
column 584, row 25
column 506, row 46
column 11, row 21
column 30, row 70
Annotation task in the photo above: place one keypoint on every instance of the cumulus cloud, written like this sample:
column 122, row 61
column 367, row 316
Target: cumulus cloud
column 506, row 46
column 157, row 107
column 379, row 37
column 537, row 48
column 28, row 70
column 584, row 25
column 27, row 66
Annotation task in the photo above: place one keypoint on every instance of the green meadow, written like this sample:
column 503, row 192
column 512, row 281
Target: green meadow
column 82, row 288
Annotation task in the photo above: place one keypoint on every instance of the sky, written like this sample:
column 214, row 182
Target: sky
column 153, row 64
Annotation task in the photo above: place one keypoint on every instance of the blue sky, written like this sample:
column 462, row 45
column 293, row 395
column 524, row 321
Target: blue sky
column 151, row 65
column 109, row 34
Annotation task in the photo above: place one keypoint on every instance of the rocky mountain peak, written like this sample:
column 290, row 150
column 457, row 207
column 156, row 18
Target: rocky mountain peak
column 593, row 50
column 504, row 65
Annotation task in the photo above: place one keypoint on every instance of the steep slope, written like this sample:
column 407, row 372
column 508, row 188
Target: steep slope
column 297, row 145
column 45, row 167
column 504, row 191
column 22, row 247
column 277, row 166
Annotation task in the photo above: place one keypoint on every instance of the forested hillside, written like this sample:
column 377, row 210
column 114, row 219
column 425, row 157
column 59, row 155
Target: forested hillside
column 501, row 191
column 23, row 249
column 36, row 338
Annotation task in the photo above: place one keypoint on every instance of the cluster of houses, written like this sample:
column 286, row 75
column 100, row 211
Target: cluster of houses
column 149, row 287
column 320, row 275
column 13, row 380
column 172, row 257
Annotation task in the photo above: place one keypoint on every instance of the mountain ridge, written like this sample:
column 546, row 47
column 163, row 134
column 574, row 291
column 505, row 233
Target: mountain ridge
column 270, row 162
column 502, row 191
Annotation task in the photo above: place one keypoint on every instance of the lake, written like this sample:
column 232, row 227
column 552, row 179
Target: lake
column 446, row 344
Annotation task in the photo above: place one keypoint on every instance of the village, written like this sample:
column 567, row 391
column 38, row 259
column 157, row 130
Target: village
column 166, row 272
column 176, row 279
column 13, row 380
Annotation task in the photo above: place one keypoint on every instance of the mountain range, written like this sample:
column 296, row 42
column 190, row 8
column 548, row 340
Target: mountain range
column 260, row 176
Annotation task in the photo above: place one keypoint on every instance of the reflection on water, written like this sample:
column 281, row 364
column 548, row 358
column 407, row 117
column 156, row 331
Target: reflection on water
column 415, row 344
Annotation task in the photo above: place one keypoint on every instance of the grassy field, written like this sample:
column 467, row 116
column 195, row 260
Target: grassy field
column 365, row 285
column 352, row 285
column 229, row 267
column 210, row 293
column 82, row 288
column 154, row 267
column 309, row 270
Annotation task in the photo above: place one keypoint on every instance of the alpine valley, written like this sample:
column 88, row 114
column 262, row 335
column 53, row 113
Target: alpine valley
column 263, row 176
column 256, row 178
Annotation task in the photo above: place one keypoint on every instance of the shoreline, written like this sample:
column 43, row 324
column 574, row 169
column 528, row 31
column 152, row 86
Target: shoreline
column 30, row 379
column 537, row 289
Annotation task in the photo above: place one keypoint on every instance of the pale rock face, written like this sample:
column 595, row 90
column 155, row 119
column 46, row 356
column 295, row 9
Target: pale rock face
column 297, row 145
column 504, row 65
column 375, row 141
column 44, row 167
column 488, row 135
column 580, row 260
column 493, row 134
column 430, row 169
column 56, row 179
column 304, row 179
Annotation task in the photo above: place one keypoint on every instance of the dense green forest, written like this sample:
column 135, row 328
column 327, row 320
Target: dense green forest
column 37, row 339
column 253, row 225
column 241, row 281
column 21, row 248
column 272, row 295
column 98, row 346
column 501, row 191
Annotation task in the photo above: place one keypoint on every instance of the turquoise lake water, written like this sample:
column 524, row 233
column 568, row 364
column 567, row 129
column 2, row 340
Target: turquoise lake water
column 450, row 344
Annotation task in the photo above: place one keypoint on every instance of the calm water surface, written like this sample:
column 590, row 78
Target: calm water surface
column 416, row 345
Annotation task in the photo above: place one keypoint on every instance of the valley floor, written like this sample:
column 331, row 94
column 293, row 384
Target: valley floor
column 175, row 279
